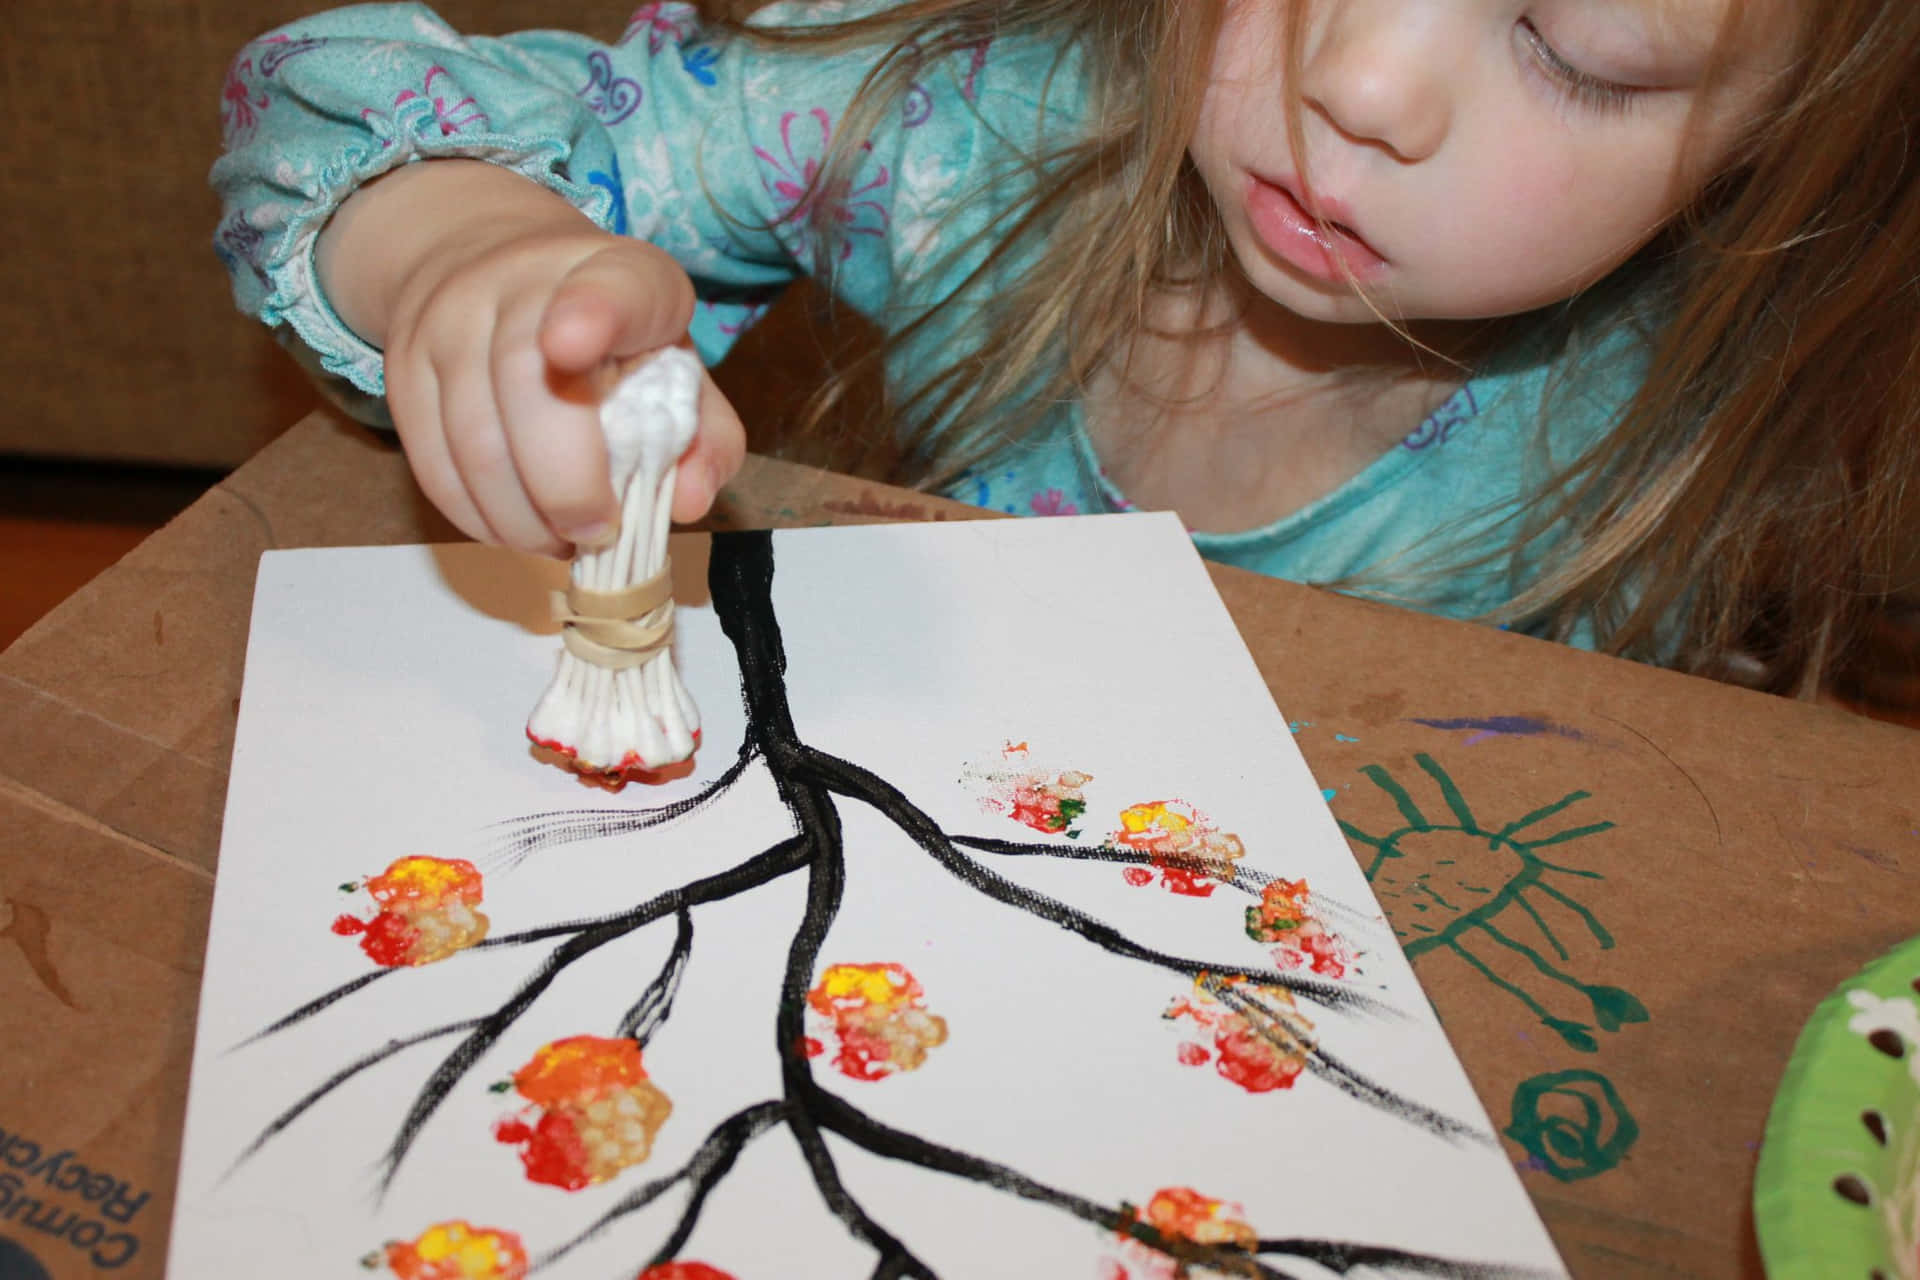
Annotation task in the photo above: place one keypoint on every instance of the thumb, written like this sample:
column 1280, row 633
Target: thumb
column 718, row 449
column 624, row 298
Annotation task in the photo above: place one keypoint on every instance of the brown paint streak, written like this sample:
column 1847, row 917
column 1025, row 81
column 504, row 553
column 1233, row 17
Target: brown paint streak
column 29, row 928
column 1379, row 708
column 870, row 507
column 159, row 631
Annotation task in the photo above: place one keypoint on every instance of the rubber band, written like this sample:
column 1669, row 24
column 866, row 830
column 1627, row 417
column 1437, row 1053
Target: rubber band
column 617, row 630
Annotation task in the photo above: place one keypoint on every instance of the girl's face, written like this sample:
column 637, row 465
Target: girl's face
column 1478, row 157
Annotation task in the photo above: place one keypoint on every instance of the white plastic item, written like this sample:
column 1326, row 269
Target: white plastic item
column 616, row 706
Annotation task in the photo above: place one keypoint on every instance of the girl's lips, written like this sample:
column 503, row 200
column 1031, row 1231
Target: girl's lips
column 1334, row 255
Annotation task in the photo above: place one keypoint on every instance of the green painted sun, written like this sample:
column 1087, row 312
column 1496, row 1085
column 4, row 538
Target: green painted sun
column 1479, row 892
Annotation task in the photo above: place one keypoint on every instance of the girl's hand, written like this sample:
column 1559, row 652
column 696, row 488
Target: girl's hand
column 501, row 309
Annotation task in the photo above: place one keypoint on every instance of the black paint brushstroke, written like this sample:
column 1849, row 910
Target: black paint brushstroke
column 751, row 874
column 1248, row 880
column 1344, row 1257
column 656, row 1002
column 1325, row 1066
column 843, row 1118
column 858, row 784
column 315, row 1005
column 710, row 1164
column 280, row 1122
column 740, row 581
column 720, row 1148
column 520, row 838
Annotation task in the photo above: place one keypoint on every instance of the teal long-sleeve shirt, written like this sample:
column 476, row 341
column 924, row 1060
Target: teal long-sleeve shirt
column 705, row 145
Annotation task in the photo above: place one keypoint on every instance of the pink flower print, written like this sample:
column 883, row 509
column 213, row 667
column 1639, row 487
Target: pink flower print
column 745, row 318
column 976, row 59
column 1053, row 502
column 239, row 108
column 661, row 22
column 795, row 187
column 421, row 110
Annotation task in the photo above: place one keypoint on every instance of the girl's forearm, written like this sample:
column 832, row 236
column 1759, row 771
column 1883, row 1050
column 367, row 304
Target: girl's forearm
column 417, row 216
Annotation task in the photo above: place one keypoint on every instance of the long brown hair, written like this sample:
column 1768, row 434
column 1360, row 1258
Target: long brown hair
column 1742, row 519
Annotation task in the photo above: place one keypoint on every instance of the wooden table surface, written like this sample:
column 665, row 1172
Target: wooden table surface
column 1692, row 867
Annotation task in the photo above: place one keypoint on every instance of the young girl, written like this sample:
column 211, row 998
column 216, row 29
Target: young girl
column 1594, row 317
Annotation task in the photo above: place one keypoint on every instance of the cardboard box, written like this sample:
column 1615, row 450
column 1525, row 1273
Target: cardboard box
column 1665, row 875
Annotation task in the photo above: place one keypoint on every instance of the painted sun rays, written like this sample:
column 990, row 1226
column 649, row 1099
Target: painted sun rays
column 1484, row 892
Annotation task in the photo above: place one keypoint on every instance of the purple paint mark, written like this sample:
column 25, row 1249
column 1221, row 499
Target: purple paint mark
column 1483, row 727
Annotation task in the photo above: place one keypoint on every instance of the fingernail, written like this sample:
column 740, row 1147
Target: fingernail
column 597, row 534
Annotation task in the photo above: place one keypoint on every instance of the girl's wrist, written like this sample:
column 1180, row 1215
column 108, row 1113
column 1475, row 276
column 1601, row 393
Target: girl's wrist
column 425, row 217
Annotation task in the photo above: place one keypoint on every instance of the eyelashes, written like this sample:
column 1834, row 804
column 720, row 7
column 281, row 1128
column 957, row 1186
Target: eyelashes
column 1590, row 91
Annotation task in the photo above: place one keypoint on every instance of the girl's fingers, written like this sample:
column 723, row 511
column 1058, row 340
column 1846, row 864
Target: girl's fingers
column 718, row 449
column 551, row 422
column 478, row 444
column 413, row 397
column 623, row 299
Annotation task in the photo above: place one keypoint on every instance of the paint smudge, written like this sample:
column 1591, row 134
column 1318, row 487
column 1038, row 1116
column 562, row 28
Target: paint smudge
column 1328, row 793
column 1179, row 1214
column 1481, row 728
column 877, row 1015
column 1191, row 853
column 427, row 911
column 1286, row 920
column 1047, row 800
column 454, row 1250
column 592, row 1112
column 1260, row 1039
column 683, row 1271
column 1572, row 1124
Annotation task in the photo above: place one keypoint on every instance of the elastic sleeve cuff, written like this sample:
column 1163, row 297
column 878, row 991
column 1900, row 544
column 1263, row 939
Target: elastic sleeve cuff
column 294, row 297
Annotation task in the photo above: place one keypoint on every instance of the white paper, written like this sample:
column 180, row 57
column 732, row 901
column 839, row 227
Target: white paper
column 381, row 718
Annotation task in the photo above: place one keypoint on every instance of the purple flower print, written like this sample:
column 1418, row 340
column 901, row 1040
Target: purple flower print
column 1053, row 502
column 917, row 108
column 660, row 22
column 611, row 99
column 1439, row 425
column 238, row 243
column 794, row 183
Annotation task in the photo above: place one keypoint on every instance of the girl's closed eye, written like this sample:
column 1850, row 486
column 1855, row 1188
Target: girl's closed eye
column 1580, row 87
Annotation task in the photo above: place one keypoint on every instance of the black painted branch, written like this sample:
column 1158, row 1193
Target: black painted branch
column 316, row 1005
column 656, row 1002
column 1248, row 880
column 1272, row 1027
column 280, row 1122
column 520, row 838
column 843, row 1118
column 855, row 783
column 786, row 857
column 710, row 1164
column 718, row 1150
column 1344, row 1257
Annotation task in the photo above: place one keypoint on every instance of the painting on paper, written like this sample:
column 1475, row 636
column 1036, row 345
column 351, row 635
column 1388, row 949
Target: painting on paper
column 999, row 929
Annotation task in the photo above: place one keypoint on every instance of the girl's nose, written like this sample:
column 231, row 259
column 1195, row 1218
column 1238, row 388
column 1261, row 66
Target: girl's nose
column 1380, row 72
